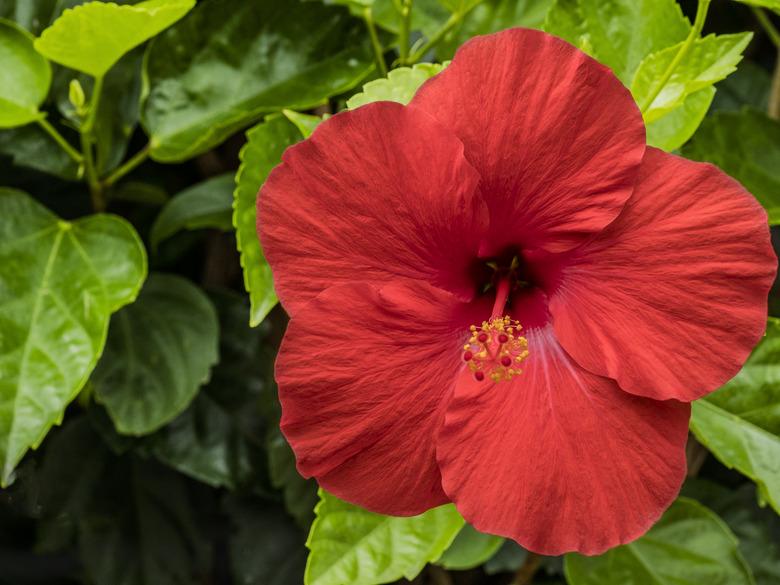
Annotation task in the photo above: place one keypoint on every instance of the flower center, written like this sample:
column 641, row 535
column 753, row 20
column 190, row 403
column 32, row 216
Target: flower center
column 496, row 348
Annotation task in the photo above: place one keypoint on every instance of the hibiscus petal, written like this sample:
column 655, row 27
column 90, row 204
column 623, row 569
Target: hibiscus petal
column 364, row 375
column 376, row 193
column 671, row 298
column 556, row 137
column 559, row 459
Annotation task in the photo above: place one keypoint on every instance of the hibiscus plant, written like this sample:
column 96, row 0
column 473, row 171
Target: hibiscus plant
column 352, row 292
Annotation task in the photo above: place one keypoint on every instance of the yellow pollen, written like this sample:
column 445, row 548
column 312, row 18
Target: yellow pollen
column 495, row 348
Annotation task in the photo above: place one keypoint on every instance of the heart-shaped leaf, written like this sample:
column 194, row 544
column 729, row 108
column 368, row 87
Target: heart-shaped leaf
column 93, row 36
column 59, row 284
column 160, row 350
column 25, row 77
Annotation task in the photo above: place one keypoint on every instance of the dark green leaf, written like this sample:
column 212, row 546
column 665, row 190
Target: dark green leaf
column 59, row 283
column 470, row 549
column 205, row 205
column 746, row 145
column 689, row 545
column 300, row 495
column 25, row 77
column 263, row 151
column 34, row 15
column 352, row 546
column 242, row 60
column 747, row 86
column 29, row 146
column 94, row 36
column 266, row 548
column 160, row 350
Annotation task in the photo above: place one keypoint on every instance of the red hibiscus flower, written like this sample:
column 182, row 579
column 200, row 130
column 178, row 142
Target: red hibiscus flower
column 500, row 297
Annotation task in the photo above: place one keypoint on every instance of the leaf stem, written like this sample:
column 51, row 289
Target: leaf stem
column 767, row 25
column 87, row 139
column 525, row 574
column 379, row 54
column 59, row 139
column 128, row 166
column 698, row 25
column 403, row 35
column 451, row 23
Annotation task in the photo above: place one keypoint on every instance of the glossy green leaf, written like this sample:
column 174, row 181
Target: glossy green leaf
column 689, row 545
column 740, row 423
column 491, row 16
column 266, row 547
column 428, row 16
column 160, row 350
column 565, row 20
column 305, row 123
column 205, row 205
column 746, row 145
column 623, row 32
column 31, row 147
column 243, row 60
column 749, row 85
column 263, row 151
column 709, row 60
column 25, row 77
column 676, row 128
column 59, row 283
column 470, row 549
column 352, row 546
column 94, row 36
column 400, row 85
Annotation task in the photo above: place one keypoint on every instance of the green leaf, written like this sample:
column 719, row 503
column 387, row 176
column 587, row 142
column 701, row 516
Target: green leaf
column 623, row 32
column 243, row 60
column 59, row 283
column 352, row 546
column 676, row 128
column 689, row 545
column 740, row 423
column 492, row 16
column 205, row 205
column 428, row 16
column 400, row 85
column 509, row 558
column 746, row 145
column 459, row 6
column 160, row 350
column 709, row 60
column 749, row 85
column 25, row 77
column 470, row 549
column 94, row 36
column 206, row 443
column 305, row 123
column 263, row 151
column 31, row 147
column 266, row 548
column 771, row 4
column 300, row 495
column 34, row 15
column 565, row 20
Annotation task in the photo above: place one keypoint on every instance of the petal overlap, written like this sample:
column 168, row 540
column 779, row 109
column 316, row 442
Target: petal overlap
column 559, row 459
column 378, row 193
column 671, row 298
column 556, row 137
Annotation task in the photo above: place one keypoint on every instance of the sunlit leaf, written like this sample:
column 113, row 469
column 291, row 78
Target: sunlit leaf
column 59, row 284
column 94, row 36
column 709, row 60
column 400, row 85
column 263, row 151
column 305, row 123
column 243, row 60
column 25, row 77
column 740, row 423
column 352, row 546
column 676, row 128
column 689, row 545
column 160, row 350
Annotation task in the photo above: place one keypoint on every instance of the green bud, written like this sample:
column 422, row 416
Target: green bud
column 76, row 94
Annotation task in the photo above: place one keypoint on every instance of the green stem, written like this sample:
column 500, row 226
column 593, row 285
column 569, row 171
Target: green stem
column 87, row 139
column 128, row 166
column 403, row 35
column 698, row 25
column 379, row 54
column 58, row 138
column 767, row 25
column 451, row 23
